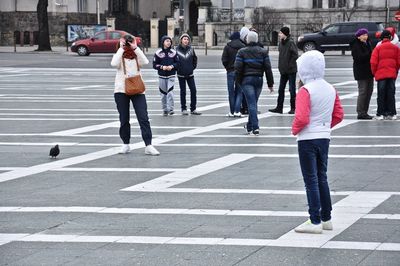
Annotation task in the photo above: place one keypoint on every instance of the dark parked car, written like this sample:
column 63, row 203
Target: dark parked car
column 337, row 36
column 101, row 42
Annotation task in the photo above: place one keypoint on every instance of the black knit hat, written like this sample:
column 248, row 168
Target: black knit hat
column 386, row 34
column 285, row 30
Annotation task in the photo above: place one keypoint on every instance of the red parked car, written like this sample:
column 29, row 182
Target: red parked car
column 101, row 42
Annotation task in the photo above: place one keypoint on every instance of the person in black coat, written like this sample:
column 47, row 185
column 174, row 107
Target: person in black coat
column 361, row 51
column 228, row 60
column 187, row 64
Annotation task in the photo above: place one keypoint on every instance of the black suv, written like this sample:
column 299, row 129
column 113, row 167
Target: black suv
column 337, row 36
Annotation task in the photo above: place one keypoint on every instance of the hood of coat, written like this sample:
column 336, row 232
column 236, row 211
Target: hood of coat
column 311, row 66
column 236, row 44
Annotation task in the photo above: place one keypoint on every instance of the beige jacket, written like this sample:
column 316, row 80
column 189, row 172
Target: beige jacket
column 130, row 65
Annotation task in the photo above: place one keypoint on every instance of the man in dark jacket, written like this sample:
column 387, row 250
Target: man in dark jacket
column 288, row 55
column 228, row 60
column 361, row 51
column 250, row 64
column 166, row 61
column 187, row 64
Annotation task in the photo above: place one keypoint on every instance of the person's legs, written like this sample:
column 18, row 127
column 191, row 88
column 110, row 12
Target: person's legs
column 308, row 164
column 249, row 91
column 322, row 166
column 390, row 97
column 369, row 89
column 292, row 90
column 381, row 98
column 238, row 98
column 281, row 94
column 193, row 93
column 140, row 106
column 170, row 101
column 122, row 102
column 230, row 78
column 182, row 87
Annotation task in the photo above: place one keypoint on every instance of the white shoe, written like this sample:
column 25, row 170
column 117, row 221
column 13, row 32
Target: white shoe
column 237, row 114
column 391, row 117
column 125, row 149
column 327, row 225
column 150, row 150
column 229, row 114
column 309, row 228
column 379, row 117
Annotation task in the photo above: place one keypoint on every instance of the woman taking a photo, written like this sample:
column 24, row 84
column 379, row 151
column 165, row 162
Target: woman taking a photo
column 133, row 57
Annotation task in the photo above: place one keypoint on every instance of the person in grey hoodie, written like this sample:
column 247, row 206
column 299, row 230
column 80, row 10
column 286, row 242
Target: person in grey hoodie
column 288, row 55
column 187, row 64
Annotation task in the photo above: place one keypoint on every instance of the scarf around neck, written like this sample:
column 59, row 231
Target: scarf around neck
column 129, row 53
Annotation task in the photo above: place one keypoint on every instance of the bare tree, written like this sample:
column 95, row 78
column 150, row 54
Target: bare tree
column 312, row 24
column 267, row 20
column 44, row 39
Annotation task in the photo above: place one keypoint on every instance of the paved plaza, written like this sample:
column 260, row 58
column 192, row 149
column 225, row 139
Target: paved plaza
column 215, row 196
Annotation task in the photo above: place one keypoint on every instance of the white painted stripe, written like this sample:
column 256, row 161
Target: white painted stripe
column 307, row 241
column 360, row 204
column 345, row 83
column 16, row 75
column 243, row 191
column 382, row 216
column 86, row 129
column 185, row 175
column 84, row 87
column 97, row 169
column 104, row 210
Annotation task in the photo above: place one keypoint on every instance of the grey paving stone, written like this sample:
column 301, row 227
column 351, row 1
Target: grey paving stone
column 382, row 258
column 389, row 206
column 371, row 230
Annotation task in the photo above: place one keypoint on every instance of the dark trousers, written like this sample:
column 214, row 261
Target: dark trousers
column 313, row 156
column 365, row 88
column 192, row 88
column 386, row 99
column 139, row 104
column 292, row 89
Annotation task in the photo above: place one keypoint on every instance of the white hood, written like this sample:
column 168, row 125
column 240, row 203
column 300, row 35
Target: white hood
column 311, row 66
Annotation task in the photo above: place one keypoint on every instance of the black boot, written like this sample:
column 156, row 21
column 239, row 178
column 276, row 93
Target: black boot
column 276, row 110
column 292, row 106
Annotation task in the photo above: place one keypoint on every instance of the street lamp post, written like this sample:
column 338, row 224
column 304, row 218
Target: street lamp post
column 98, row 11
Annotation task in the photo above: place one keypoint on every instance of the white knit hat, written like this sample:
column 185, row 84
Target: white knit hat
column 252, row 37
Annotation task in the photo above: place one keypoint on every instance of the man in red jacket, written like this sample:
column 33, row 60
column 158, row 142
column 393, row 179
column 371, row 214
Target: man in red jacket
column 385, row 64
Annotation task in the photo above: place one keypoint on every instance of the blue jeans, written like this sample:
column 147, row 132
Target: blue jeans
column 140, row 105
column 192, row 88
column 313, row 156
column 252, row 86
column 235, row 94
column 292, row 89
column 386, row 97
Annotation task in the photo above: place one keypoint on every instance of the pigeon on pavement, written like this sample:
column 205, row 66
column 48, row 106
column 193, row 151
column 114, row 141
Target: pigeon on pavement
column 54, row 152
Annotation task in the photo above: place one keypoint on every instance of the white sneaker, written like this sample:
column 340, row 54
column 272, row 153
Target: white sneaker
column 237, row 114
column 125, row 149
column 379, row 117
column 391, row 117
column 327, row 225
column 309, row 228
column 150, row 150
column 229, row 114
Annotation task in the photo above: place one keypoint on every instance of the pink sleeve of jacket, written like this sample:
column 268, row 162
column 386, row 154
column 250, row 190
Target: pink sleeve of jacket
column 302, row 113
column 338, row 113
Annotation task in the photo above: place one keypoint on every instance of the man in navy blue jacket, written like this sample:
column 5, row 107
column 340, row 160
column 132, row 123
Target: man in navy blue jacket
column 166, row 62
column 187, row 64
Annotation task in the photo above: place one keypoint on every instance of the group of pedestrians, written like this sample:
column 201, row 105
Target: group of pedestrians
column 381, row 63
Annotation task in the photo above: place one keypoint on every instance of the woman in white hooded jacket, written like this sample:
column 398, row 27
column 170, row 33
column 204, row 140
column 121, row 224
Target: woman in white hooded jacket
column 129, row 52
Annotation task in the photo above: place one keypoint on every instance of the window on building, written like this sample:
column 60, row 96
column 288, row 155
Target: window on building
column 342, row 3
column 355, row 3
column 332, row 3
column 226, row 4
column 317, row 4
column 82, row 6
column 238, row 4
column 135, row 7
column 118, row 6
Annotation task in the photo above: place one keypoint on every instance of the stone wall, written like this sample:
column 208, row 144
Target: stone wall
column 26, row 22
